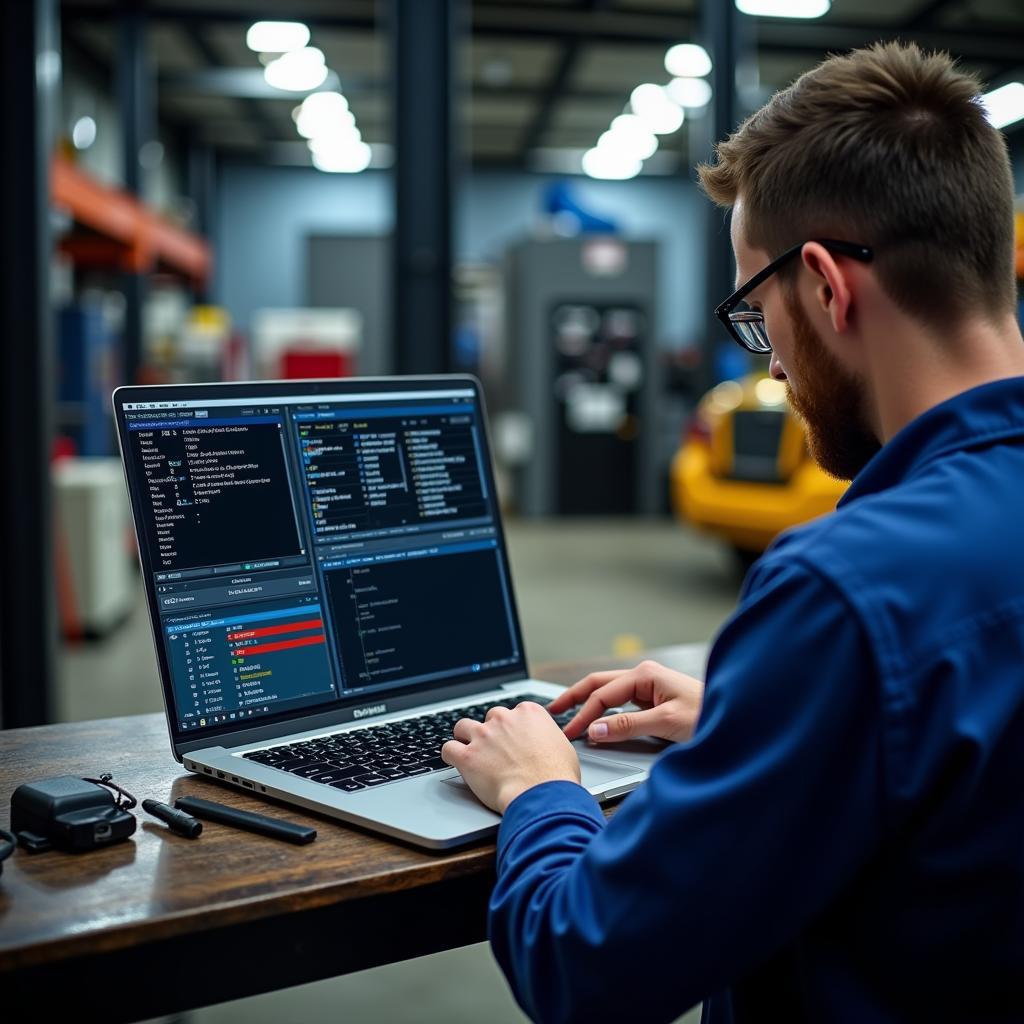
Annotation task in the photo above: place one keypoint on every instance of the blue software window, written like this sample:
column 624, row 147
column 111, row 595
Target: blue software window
column 308, row 550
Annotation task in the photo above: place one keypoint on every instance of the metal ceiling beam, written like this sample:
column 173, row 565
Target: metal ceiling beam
column 249, row 82
column 241, row 84
column 349, row 14
column 633, row 26
column 557, row 86
column 999, row 46
column 505, row 20
column 250, row 107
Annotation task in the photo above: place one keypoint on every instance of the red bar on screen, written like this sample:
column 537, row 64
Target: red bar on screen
column 289, row 627
column 281, row 645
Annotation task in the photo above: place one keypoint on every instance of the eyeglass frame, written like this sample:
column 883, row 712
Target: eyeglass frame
column 725, row 310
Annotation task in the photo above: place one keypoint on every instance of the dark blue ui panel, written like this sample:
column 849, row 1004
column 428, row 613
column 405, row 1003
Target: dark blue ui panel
column 374, row 470
column 421, row 614
column 249, row 663
column 214, row 491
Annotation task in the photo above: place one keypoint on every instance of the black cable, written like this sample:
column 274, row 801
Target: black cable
column 104, row 780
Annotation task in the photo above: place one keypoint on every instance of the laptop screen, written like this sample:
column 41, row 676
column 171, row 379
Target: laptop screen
column 311, row 550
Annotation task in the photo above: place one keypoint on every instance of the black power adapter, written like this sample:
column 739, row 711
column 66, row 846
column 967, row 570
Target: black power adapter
column 70, row 814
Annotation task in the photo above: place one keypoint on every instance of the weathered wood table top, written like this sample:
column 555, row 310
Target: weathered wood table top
column 263, row 914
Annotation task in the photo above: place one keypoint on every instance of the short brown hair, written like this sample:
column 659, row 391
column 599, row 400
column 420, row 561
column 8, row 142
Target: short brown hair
column 887, row 146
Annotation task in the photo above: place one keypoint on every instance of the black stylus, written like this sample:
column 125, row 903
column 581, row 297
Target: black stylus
column 224, row 815
column 180, row 822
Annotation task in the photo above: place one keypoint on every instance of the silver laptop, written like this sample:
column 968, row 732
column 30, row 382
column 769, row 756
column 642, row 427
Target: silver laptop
column 329, row 590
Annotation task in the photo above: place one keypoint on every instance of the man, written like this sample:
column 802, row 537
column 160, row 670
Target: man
column 838, row 832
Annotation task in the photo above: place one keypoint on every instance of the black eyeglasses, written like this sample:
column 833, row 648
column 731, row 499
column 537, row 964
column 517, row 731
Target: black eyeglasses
column 747, row 325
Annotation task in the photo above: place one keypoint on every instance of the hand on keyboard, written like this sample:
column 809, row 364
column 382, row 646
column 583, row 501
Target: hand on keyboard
column 372, row 756
column 669, row 704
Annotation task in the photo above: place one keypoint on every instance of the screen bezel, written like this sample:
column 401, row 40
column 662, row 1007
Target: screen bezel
column 342, row 710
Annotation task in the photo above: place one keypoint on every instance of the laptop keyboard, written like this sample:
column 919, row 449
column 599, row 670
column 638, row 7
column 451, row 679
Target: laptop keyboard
column 378, row 754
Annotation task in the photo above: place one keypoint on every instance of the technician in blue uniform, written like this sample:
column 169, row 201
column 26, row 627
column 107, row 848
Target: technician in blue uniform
column 837, row 832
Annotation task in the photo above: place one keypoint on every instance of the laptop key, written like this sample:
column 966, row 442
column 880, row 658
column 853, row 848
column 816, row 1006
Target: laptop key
column 370, row 780
column 292, row 763
column 350, row 771
column 348, row 785
column 310, row 769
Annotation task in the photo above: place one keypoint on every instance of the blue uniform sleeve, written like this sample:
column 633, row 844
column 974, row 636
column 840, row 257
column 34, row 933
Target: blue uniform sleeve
column 738, row 838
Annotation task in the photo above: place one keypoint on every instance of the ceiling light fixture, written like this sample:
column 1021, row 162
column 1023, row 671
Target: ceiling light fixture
column 321, row 113
column 1004, row 105
column 784, row 8
column 297, row 71
column 609, row 165
column 639, row 147
column 629, row 134
column 689, row 92
column 687, row 60
column 344, row 141
column 276, row 36
column 344, row 159
column 653, row 106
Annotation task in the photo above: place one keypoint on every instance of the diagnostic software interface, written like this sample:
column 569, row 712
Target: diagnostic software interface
column 311, row 549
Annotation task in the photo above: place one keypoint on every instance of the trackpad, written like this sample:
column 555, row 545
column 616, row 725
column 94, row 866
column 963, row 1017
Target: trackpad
column 596, row 772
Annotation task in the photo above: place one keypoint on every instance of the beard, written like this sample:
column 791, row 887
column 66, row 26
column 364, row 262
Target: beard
column 830, row 401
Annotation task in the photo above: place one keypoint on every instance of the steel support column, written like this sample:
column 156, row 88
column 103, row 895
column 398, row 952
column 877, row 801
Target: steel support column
column 720, row 22
column 134, row 98
column 30, row 72
column 424, row 59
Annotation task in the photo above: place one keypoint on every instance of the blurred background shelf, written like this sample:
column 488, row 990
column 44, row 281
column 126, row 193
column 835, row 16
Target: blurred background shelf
column 123, row 232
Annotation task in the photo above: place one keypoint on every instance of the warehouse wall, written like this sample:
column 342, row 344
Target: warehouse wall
column 267, row 212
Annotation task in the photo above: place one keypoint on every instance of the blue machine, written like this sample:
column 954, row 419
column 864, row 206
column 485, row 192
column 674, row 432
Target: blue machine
column 86, row 353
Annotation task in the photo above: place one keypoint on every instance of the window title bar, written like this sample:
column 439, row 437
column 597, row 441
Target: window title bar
column 268, row 400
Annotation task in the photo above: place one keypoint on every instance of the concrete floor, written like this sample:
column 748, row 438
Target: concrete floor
column 586, row 588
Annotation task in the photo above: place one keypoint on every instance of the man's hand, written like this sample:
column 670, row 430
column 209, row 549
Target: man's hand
column 510, row 752
column 669, row 701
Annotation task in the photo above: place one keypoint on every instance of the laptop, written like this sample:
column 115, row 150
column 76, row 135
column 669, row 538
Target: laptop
column 329, row 590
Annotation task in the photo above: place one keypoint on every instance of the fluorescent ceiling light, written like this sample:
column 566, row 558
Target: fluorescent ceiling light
column 297, row 71
column 603, row 163
column 784, row 8
column 343, row 159
column 653, row 106
column 347, row 139
column 687, row 60
column 1004, row 105
column 629, row 135
column 689, row 92
column 276, row 36
column 636, row 146
column 321, row 113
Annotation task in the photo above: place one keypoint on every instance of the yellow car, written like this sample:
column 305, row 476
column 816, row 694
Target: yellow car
column 744, row 472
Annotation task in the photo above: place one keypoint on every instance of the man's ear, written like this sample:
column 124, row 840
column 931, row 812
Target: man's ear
column 832, row 287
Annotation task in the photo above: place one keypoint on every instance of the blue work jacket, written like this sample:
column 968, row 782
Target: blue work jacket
column 842, row 839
